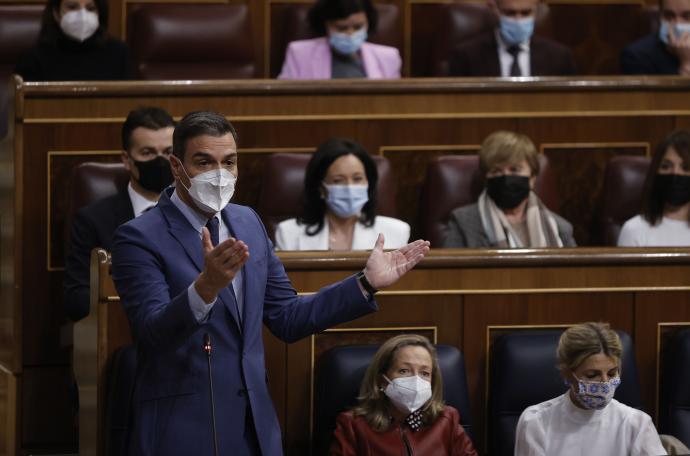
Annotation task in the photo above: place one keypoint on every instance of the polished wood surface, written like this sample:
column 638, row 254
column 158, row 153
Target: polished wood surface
column 577, row 123
column 464, row 298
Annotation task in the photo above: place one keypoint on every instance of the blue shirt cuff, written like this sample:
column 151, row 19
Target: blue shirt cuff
column 199, row 308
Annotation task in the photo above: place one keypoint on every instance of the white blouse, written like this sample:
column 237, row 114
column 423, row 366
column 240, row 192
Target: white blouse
column 558, row 427
column 637, row 232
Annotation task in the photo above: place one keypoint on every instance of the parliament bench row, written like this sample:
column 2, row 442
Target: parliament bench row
column 451, row 182
column 517, row 359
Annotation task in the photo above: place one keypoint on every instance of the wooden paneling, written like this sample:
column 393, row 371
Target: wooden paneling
column 8, row 413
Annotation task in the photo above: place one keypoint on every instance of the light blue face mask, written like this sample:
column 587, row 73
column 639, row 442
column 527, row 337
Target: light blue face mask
column 346, row 201
column 678, row 29
column 516, row 31
column 348, row 44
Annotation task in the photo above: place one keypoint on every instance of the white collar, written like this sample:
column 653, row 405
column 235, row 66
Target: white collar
column 194, row 217
column 139, row 203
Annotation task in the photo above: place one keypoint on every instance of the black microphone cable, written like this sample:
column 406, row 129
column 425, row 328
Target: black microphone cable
column 207, row 349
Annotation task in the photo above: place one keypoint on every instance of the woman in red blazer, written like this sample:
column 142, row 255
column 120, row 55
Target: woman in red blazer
column 400, row 409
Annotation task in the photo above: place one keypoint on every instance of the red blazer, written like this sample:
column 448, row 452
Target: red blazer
column 354, row 437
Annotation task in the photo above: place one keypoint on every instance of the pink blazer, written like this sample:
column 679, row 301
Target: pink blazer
column 311, row 59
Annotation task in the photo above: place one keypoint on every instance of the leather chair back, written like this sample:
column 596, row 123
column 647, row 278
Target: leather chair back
column 293, row 25
column 339, row 374
column 674, row 402
column 282, row 188
column 178, row 41
column 91, row 182
column 454, row 181
column 523, row 372
column 19, row 28
column 621, row 197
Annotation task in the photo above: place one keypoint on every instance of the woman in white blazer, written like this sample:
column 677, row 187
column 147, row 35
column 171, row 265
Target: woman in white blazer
column 340, row 204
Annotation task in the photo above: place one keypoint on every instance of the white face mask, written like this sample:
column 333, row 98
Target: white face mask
column 80, row 24
column 211, row 190
column 408, row 394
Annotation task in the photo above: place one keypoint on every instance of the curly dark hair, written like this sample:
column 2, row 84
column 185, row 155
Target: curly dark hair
column 325, row 155
column 653, row 203
column 333, row 10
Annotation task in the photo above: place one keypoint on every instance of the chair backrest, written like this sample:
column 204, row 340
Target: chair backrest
column 293, row 25
column 454, row 181
column 282, row 188
column 621, row 197
column 177, row 41
column 674, row 402
column 523, row 372
column 19, row 27
column 339, row 374
column 92, row 181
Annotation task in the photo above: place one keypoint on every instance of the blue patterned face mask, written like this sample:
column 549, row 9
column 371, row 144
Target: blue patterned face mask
column 347, row 200
column 678, row 29
column 348, row 44
column 595, row 395
column 516, row 31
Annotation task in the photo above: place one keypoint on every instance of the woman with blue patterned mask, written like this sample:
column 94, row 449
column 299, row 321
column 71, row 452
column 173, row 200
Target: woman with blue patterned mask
column 340, row 204
column 587, row 418
column 340, row 49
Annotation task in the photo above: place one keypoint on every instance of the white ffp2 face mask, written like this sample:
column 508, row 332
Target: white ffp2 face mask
column 79, row 25
column 408, row 393
column 211, row 190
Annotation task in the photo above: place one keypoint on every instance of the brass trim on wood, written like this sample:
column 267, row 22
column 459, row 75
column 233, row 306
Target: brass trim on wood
column 597, row 145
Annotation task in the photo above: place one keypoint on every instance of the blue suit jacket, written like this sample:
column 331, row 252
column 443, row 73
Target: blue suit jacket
column 154, row 260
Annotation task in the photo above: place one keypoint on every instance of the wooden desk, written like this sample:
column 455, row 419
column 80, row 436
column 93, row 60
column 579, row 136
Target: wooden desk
column 578, row 124
column 464, row 298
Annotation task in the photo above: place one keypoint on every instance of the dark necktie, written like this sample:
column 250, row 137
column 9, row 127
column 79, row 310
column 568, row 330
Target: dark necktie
column 514, row 51
column 213, row 229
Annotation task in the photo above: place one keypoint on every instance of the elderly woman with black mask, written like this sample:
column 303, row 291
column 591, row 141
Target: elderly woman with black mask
column 73, row 45
column 665, row 216
column 508, row 213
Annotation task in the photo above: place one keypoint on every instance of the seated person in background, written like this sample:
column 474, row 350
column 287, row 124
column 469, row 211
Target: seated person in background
column 146, row 144
column 587, row 419
column 666, row 51
column 73, row 45
column 665, row 215
column 340, row 204
column 400, row 408
column 508, row 213
column 511, row 49
column 342, row 50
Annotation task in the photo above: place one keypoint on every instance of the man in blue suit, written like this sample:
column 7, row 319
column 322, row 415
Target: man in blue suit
column 196, row 265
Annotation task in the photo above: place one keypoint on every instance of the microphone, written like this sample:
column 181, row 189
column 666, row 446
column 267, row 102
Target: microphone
column 207, row 349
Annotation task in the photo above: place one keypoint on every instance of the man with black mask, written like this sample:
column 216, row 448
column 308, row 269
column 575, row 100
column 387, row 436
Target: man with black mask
column 146, row 145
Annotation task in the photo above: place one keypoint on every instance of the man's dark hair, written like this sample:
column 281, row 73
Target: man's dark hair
column 146, row 117
column 199, row 123
column 333, row 10
column 51, row 31
column 323, row 158
column 653, row 202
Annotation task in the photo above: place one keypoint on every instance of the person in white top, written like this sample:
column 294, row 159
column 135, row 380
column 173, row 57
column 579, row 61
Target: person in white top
column 665, row 216
column 587, row 420
column 340, row 204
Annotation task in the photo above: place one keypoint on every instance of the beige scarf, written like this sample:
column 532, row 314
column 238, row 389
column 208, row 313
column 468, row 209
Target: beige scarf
column 541, row 225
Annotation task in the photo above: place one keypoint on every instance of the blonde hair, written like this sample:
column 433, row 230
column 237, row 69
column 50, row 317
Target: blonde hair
column 507, row 147
column 584, row 340
column 373, row 403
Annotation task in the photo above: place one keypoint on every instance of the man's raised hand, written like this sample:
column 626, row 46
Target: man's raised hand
column 221, row 263
column 385, row 268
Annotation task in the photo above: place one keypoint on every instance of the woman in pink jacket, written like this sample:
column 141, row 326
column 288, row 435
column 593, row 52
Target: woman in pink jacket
column 342, row 50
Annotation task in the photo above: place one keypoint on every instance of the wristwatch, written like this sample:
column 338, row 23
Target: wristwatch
column 362, row 279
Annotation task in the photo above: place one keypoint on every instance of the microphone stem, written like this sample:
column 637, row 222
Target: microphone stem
column 213, row 404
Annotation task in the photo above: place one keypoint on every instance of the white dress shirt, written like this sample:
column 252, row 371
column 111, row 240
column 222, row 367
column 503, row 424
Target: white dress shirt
column 139, row 203
column 199, row 308
column 506, row 60
column 558, row 427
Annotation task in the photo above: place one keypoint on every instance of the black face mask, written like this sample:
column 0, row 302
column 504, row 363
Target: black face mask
column 674, row 188
column 154, row 175
column 508, row 191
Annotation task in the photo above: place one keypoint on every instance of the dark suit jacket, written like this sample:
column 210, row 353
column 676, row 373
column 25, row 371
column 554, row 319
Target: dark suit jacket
column 479, row 57
column 93, row 226
column 648, row 55
column 155, row 258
